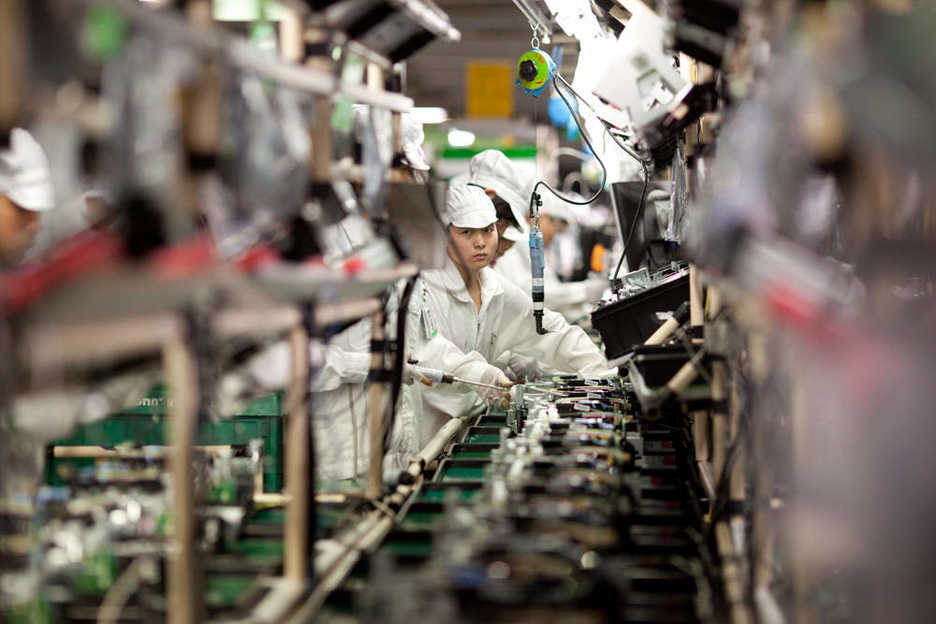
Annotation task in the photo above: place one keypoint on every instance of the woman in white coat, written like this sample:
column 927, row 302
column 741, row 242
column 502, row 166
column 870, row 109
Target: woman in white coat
column 482, row 315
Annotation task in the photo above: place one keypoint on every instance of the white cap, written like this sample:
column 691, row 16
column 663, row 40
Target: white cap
column 469, row 206
column 412, row 138
column 491, row 169
column 513, row 235
column 24, row 173
column 556, row 208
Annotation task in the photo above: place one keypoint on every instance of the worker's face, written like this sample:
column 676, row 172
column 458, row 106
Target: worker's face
column 502, row 243
column 549, row 227
column 473, row 248
column 18, row 229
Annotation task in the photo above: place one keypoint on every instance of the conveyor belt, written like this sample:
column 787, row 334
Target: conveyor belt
column 570, row 512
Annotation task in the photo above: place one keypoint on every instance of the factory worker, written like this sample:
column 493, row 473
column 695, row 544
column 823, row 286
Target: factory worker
column 339, row 379
column 494, row 172
column 25, row 192
column 339, row 398
column 491, row 170
column 509, row 231
column 411, row 140
column 482, row 314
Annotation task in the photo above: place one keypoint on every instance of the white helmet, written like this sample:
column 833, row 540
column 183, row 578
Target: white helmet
column 24, row 173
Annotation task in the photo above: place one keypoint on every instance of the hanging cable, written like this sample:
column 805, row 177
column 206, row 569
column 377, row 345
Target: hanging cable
column 399, row 359
column 640, row 207
column 578, row 122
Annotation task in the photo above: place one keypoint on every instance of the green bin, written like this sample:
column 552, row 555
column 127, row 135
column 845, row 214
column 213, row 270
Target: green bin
column 148, row 425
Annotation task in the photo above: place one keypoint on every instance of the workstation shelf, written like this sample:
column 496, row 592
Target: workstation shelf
column 383, row 31
column 125, row 313
column 236, row 51
column 80, row 328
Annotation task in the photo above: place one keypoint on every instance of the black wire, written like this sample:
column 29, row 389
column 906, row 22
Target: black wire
column 722, row 487
column 633, row 228
column 432, row 178
column 578, row 122
column 643, row 197
column 557, row 78
column 398, row 362
column 604, row 175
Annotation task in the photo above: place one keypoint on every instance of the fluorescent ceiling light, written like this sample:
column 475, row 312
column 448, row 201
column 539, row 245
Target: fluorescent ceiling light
column 429, row 114
column 460, row 138
column 240, row 11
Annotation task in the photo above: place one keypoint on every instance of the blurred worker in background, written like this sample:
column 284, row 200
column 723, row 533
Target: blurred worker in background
column 483, row 316
column 25, row 191
column 571, row 299
column 509, row 230
column 413, row 155
column 340, row 370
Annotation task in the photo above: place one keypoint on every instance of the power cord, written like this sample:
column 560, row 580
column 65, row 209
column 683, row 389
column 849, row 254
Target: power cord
column 557, row 78
column 643, row 199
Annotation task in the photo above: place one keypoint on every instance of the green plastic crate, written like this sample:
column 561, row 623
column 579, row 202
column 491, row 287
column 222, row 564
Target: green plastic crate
column 147, row 424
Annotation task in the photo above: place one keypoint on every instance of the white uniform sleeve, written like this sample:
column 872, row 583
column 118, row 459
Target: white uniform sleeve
column 564, row 347
column 561, row 294
column 347, row 358
column 441, row 354
column 515, row 267
column 347, row 355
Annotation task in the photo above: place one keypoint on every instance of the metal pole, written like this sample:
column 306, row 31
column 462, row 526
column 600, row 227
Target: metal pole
column 700, row 419
column 297, row 536
column 719, row 394
column 375, row 410
column 696, row 304
column 184, row 596
column 12, row 62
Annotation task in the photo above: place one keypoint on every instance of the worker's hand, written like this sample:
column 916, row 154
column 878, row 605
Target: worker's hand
column 495, row 399
column 410, row 374
column 595, row 288
column 230, row 393
column 521, row 368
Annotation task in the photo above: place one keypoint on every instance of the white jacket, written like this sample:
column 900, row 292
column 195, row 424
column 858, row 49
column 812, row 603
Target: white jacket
column 339, row 395
column 475, row 338
column 568, row 298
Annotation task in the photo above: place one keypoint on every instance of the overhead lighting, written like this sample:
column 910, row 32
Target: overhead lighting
column 460, row 138
column 429, row 114
column 239, row 11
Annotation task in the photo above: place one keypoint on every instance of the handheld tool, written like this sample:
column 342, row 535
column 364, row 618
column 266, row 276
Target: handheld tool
column 536, row 263
column 436, row 376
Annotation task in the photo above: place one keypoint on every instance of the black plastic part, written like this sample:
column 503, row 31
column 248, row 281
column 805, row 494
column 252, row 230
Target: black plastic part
column 143, row 224
column 630, row 321
column 700, row 43
column 201, row 161
column 380, row 375
column 301, row 242
column 383, row 346
column 316, row 49
column 659, row 364
column 527, row 70
column 411, row 46
column 720, row 16
column 369, row 20
column 538, row 316
column 682, row 313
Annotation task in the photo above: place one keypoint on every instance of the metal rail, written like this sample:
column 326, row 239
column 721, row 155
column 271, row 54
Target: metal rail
column 238, row 52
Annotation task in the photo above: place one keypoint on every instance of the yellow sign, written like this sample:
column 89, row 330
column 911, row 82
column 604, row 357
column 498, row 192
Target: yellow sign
column 489, row 89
